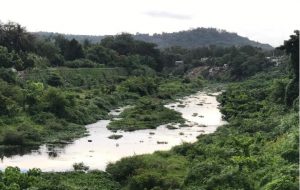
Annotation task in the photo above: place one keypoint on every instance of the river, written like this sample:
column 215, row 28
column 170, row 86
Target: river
column 96, row 150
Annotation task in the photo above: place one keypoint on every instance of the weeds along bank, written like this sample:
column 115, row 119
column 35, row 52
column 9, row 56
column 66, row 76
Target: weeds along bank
column 257, row 149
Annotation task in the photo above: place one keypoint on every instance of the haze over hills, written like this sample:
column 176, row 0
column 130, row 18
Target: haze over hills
column 193, row 38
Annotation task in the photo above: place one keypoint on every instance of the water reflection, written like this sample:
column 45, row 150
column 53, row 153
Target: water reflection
column 16, row 150
column 55, row 151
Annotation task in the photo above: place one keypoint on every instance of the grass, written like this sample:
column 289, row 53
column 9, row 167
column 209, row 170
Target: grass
column 79, row 77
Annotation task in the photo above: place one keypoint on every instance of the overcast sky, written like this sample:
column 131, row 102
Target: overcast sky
column 266, row 21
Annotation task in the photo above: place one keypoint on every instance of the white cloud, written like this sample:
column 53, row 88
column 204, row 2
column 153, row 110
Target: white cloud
column 163, row 14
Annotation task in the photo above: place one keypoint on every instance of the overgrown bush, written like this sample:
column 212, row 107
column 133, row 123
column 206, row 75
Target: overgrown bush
column 77, row 63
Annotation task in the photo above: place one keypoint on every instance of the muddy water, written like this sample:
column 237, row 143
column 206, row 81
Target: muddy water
column 97, row 150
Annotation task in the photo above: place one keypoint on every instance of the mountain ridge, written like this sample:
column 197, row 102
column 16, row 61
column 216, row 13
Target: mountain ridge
column 193, row 38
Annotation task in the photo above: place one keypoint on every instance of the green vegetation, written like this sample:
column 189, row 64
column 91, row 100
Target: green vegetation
column 51, row 87
column 162, row 170
column 148, row 113
column 48, row 92
column 258, row 149
column 80, row 167
column 12, row 179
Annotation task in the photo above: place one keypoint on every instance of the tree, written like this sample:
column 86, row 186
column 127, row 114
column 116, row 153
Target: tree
column 5, row 57
column 71, row 50
column 100, row 54
column 10, row 59
column 291, row 48
column 74, row 50
column 123, row 43
column 56, row 102
column 15, row 37
column 48, row 49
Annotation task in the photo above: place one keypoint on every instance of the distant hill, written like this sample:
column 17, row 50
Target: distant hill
column 198, row 37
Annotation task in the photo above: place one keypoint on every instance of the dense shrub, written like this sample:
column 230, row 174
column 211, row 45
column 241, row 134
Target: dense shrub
column 77, row 63
column 55, row 80
column 140, row 85
column 80, row 167
column 148, row 113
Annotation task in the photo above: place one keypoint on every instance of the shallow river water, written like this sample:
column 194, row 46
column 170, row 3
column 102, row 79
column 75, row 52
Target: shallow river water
column 200, row 111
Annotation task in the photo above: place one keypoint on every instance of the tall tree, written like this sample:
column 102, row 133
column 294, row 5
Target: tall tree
column 15, row 37
column 291, row 47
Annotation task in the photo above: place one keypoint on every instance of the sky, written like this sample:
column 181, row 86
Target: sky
column 266, row 21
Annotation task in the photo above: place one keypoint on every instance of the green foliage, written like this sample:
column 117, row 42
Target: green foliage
column 140, row 85
column 33, row 60
column 158, row 171
column 278, row 91
column 56, row 102
column 13, row 179
column 292, row 91
column 5, row 57
column 15, row 37
column 148, row 113
column 291, row 47
column 10, row 59
column 10, row 97
column 101, row 55
column 257, row 149
column 80, row 167
column 85, row 78
column 77, row 63
column 54, row 79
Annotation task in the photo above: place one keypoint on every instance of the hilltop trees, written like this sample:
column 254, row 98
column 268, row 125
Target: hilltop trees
column 15, row 37
column 125, row 44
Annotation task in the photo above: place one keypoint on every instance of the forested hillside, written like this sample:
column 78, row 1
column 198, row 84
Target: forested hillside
column 199, row 37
